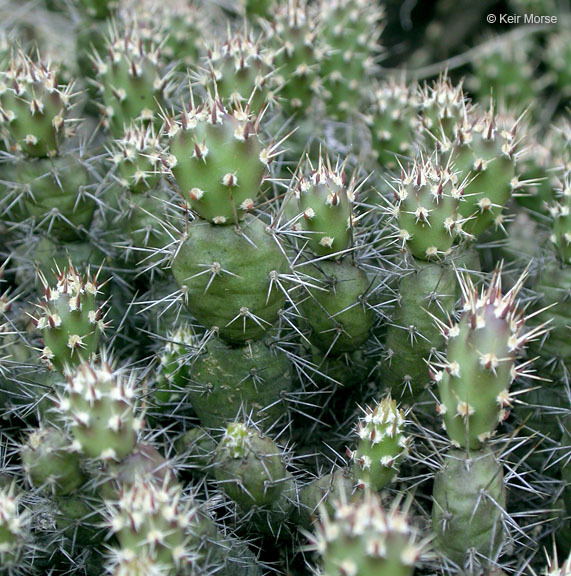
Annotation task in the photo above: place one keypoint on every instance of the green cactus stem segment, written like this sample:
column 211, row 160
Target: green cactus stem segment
column 217, row 160
column 336, row 308
column 362, row 538
column 469, row 498
column 325, row 200
column 71, row 319
column 382, row 444
column 99, row 407
column 33, row 106
column 480, row 364
column 231, row 278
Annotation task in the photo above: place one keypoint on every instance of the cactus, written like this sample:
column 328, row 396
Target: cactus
column 49, row 461
column 480, row 364
column 14, row 530
column 71, row 319
column 33, row 106
column 239, row 72
column 157, row 529
column 351, row 31
column 130, row 79
column 382, row 444
column 469, row 499
column 393, row 121
column 217, row 160
column 297, row 56
column 363, row 538
column 325, row 199
column 251, row 470
column 98, row 406
column 231, row 278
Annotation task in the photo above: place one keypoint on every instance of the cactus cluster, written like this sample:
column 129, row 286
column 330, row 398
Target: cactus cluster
column 284, row 289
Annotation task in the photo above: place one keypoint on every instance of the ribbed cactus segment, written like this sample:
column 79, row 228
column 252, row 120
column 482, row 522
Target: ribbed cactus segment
column 561, row 220
column 362, row 538
column 174, row 364
column 486, row 150
column 99, row 407
column 136, row 157
column 130, row 78
column 231, row 278
column 14, row 529
column 351, row 30
column 553, row 286
column 217, row 160
column 222, row 381
column 33, row 106
column 336, row 307
column 239, row 72
column 293, row 36
column 426, row 210
column 50, row 461
column 469, row 499
column 153, row 523
column 250, row 469
column 71, row 319
column 393, row 121
column 480, row 364
column 382, row 444
column 325, row 200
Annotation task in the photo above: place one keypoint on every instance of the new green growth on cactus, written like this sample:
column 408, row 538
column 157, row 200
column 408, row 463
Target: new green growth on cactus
column 480, row 364
column 71, row 319
column 98, row 405
column 382, row 444
column 363, row 538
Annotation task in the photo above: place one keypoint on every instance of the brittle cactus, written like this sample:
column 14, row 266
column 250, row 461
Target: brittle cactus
column 363, row 538
column 33, row 106
column 469, row 500
column 480, row 364
column 382, row 444
column 98, row 405
column 71, row 319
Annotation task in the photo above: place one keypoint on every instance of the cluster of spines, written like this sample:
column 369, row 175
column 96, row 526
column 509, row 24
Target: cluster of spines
column 428, row 197
column 152, row 522
column 351, row 30
column 325, row 199
column 136, row 157
column 250, row 468
column 14, row 529
column 131, row 79
column 393, row 121
column 297, row 56
column 239, row 72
